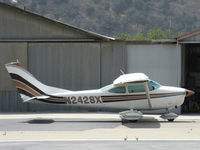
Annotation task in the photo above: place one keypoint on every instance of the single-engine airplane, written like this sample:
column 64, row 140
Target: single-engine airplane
column 131, row 92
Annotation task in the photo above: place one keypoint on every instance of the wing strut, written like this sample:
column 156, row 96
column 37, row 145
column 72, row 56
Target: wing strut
column 147, row 94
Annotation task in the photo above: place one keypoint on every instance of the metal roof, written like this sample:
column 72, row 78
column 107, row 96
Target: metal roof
column 163, row 41
column 188, row 35
column 95, row 35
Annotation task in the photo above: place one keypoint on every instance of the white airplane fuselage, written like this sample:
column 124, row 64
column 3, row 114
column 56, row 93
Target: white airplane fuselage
column 161, row 98
column 130, row 92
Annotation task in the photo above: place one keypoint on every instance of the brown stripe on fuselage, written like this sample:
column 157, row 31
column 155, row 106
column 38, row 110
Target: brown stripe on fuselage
column 125, row 97
column 165, row 95
column 138, row 97
column 56, row 99
column 25, row 87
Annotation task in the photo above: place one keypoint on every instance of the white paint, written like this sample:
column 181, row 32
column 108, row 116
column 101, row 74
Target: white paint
column 131, row 77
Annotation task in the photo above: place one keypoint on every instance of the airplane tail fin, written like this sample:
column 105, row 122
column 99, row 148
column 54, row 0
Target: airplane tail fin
column 27, row 85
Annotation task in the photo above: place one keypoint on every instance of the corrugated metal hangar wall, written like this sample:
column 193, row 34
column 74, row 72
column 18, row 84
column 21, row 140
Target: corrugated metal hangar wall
column 161, row 62
column 67, row 57
column 55, row 53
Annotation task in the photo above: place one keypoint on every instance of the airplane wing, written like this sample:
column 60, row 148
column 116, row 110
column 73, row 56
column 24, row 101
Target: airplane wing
column 131, row 78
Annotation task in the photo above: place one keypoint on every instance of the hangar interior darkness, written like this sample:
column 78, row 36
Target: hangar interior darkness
column 191, row 75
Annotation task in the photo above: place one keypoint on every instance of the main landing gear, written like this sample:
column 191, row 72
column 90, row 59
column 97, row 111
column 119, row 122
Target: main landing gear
column 169, row 116
column 131, row 115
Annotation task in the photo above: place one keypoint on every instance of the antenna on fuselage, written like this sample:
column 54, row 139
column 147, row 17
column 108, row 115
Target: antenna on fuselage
column 122, row 71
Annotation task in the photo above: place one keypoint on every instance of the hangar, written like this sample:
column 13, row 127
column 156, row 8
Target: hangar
column 57, row 54
column 190, row 48
column 68, row 57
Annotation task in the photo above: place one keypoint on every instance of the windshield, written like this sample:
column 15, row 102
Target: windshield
column 153, row 85
column 106, row 87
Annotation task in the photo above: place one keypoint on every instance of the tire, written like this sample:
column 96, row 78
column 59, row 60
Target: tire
column 133, row 121
column 170, row 120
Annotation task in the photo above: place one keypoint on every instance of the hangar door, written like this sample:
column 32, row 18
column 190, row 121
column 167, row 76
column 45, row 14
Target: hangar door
column 72, row 66
column 161, row 62
column 191, row 76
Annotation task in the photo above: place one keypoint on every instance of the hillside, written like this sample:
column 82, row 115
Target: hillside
column 111, row 17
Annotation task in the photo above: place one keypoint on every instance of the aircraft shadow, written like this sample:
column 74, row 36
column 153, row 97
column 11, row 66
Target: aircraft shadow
column 80, row 124
column 146, row 122
column 40, row 121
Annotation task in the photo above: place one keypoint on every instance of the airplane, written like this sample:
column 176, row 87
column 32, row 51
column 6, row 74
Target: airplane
column 131, row 92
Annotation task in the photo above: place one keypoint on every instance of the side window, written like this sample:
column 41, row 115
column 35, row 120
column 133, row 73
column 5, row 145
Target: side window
column 120, row 89
column 136, row 88
column 140, row 88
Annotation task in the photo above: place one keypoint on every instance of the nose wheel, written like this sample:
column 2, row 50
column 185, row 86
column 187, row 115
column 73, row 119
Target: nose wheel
column 170, row 116
column 170, row 120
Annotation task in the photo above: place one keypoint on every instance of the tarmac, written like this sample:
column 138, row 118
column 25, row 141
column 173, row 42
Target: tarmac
column 95, row 127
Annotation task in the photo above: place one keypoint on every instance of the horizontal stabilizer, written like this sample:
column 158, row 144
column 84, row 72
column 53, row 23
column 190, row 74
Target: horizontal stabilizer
column 37, row 97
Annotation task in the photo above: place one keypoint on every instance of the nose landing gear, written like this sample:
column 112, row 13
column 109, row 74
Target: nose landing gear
column 170, row 116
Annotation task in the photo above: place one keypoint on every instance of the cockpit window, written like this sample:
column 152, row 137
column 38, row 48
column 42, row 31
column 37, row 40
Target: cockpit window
column 140, row 88
column 153, row 85
column 105, row 88
column 120, row 89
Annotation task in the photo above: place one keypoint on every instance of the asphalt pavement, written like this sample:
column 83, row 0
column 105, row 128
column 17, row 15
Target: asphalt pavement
column 99, row 145
column 99, row 131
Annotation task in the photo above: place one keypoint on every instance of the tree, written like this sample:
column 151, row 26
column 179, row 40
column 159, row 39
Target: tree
column 124, row 36
column 139, row 36
column 155, row 34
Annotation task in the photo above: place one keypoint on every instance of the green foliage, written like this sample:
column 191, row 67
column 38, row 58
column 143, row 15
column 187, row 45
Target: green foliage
column 124, row 36
column 153, row 34
column 139, row 36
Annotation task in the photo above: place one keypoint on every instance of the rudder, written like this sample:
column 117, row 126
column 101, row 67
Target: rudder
column 27, row 85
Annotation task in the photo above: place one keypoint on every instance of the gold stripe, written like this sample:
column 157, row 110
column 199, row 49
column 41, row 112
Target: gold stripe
column 27, row 88
column 132, row 97
column 55, row 99
column 125, row 97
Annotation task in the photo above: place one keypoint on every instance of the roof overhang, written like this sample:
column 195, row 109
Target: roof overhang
column 188, row 35
column 192, row 37
column 90, row 33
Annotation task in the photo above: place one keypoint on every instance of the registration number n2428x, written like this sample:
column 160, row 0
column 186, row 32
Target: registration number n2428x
column 83, row 100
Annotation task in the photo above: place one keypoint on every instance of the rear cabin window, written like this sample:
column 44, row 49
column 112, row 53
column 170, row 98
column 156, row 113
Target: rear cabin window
column 120, row 89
